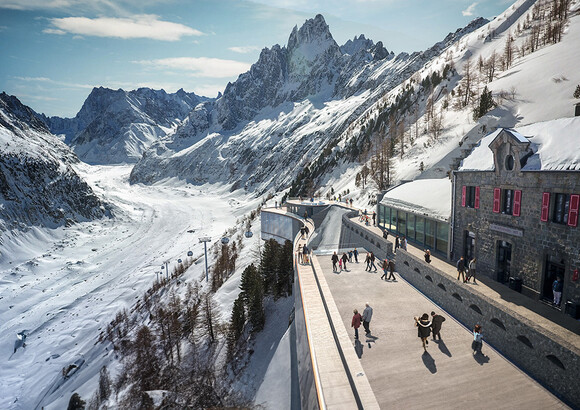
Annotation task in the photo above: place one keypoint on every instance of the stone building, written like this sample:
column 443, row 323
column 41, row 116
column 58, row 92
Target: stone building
column 515, row 209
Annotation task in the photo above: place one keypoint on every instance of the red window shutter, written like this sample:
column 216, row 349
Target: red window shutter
column 517, row 203
column 496, row 199
column 476, row 205
column 573, row 212
column 463, row 195
column 545, row 206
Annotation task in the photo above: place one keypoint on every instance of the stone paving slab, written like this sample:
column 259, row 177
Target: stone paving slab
column 402, row 375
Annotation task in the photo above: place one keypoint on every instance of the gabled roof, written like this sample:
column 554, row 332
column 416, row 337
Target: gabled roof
column 555, row 146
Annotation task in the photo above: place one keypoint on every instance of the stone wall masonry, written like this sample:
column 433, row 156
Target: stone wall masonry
column 538, row 239
column 352, row 235
column 543, row 355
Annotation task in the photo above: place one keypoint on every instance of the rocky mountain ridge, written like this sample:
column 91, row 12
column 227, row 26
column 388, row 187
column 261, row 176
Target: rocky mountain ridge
column 292, row 105
column 38, row 185
column 116, row 126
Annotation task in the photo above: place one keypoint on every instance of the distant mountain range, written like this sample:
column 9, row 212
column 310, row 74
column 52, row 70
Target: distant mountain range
column 117, row 126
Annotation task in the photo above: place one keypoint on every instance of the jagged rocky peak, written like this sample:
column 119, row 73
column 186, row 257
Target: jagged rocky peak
column 18, row 115
column 360, row 45
column 313, row 31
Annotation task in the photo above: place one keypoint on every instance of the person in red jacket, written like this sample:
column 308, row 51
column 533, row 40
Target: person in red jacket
column 356, row 321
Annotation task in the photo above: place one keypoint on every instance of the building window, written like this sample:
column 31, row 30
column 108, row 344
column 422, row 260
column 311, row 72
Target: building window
column 507, row 201
column 509, row 162
column 561, row 208
column 470, row 197
column 565, row 209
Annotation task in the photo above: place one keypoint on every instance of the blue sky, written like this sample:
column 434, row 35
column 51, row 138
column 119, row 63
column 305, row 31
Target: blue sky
column 55, row 51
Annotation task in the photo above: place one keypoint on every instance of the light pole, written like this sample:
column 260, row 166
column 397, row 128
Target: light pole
column 166, row 269
column 205, row 240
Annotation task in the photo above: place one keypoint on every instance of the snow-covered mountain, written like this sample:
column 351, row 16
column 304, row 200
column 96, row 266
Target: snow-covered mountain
column 116, row 126
column 38, row 185
column 277, row 118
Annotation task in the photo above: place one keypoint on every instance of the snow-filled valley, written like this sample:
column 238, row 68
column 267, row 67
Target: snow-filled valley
column 62, row 287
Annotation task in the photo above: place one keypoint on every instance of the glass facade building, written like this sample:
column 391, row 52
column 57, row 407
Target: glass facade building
column 427, row 232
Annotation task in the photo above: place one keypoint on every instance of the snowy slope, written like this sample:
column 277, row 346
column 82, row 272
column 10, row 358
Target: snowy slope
column 63, row 286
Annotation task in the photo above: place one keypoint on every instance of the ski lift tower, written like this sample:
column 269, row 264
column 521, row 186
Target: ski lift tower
column 205, row 240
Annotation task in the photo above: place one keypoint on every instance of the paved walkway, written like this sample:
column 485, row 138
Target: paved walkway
column 546, row 316
column 401, row 375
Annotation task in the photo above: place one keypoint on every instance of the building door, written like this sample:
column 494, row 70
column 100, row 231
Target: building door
column 504, row 261
column 469, row 246
column 554, row 268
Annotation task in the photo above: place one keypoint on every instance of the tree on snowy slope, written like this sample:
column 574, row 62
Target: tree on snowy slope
column 236, row 326
column 252, row 287
column 486, row 103
column 285, row 278
column 381, row 162
column 144, row 367
column 269, row 264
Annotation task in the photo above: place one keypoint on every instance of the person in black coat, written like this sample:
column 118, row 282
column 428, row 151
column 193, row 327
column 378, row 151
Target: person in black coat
column 334, row 262
column 344, row 260
column 436, row 322
column 423, row 329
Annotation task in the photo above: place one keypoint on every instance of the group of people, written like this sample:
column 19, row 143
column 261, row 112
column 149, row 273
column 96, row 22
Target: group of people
column 426, row 326
column 466, row 272
column 388, row 266
column 365, row 319
column 303, row 254
column 400, row 242
column 339, row 263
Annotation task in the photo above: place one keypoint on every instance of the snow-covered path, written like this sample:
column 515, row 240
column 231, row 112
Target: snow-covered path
column 64, row 286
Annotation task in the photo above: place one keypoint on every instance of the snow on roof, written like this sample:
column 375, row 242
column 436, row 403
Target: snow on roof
column 555, row 143
column 429, row 197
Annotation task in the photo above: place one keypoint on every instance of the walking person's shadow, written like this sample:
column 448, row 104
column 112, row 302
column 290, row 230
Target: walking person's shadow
column 481, row 358
column 443, row 347
column 429, row 362
column 358, row 348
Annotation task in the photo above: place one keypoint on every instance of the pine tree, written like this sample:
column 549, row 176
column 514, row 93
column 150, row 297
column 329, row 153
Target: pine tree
column 486, row 103
column 236, row 326
column 104, row 385
column 269, row 264
column 285, row 271
column 577, row 92
column 252, row 287
column 146, row 364
column 76, row 402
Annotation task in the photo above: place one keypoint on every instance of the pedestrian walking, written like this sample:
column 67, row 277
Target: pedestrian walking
column 366, row 317
column 427, row 256
column 368, row 262
column 351, row 202
column 305, row 251
column 334, row 260
column 423, row 329
column 385, row 267
column 477, row 340
column 404, row 243
column 385, row 234
column 471, row 270
column 436, row 322
column 557, row 288
column 355, row 254
column 350, row 256
column 340, row 264
column 300, row 256
column 356, row 321
column 344, row 259
column 373, row 263
column 397, row 243
column 374, row 218
column 461, row 268
column 392, row 270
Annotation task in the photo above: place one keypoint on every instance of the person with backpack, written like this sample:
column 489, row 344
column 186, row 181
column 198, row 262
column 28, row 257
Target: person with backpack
column 423, row 329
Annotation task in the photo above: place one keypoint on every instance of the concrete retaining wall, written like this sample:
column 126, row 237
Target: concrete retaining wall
column 352, row 236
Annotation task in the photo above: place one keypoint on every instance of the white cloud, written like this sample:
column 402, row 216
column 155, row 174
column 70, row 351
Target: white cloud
column 244, row 49
column 54, row 82
column 199, row 66
column 469, row 11
column 138, row 26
